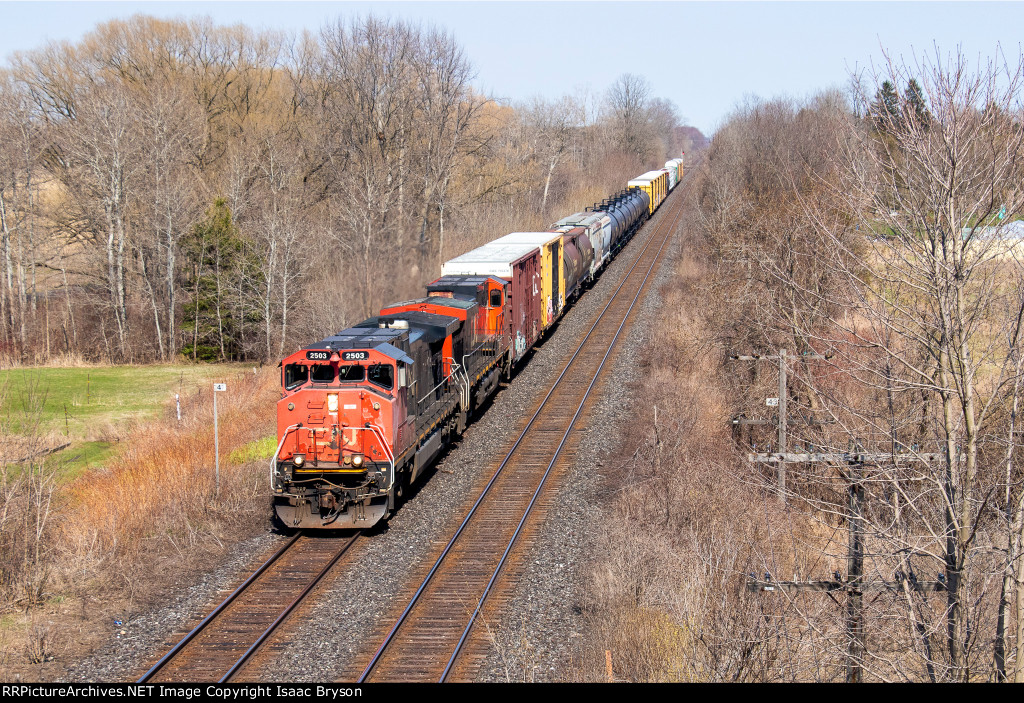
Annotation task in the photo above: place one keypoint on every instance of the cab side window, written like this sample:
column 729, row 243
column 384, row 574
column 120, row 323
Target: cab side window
column 496, row 298
column 295, row 375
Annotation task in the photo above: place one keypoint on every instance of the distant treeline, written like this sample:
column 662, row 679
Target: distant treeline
column 178, row 188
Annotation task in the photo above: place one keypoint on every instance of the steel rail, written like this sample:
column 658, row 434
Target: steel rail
column 216, row 611
column 554, row 458
column 286, row 612
column 426, row 581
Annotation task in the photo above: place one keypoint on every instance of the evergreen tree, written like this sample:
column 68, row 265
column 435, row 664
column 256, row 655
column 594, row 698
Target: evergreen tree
column 214, row 252
column 886, row 108
column 916, row 107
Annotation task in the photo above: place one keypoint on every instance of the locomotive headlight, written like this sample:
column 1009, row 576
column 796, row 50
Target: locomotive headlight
column 376, row 406
column 357, row 460
column 332, row 402
column 299, row 460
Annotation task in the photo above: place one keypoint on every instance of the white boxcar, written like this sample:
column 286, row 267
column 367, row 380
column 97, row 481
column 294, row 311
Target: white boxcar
column 492, row 259
column 673, row 173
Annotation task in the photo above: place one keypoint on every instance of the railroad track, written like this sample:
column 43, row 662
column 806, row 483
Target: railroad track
column 220, row 645
column 436, row 637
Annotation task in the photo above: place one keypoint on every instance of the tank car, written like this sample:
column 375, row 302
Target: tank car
column 628, row 210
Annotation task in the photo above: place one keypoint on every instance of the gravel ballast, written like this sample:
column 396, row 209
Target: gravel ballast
column 542, row 637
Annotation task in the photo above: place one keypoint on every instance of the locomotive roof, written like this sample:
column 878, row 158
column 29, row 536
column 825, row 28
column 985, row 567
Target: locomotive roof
column 385, row 341
column 426, row 325
column 438, row 300
column 461, row 280
column 473, row 288
column 358, row 337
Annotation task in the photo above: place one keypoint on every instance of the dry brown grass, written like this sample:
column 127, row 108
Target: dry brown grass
column 117, row 538
column 162, row 485
column 38, row 357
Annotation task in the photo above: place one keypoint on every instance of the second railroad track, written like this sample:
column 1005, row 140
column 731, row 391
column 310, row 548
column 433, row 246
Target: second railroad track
column 437, row 636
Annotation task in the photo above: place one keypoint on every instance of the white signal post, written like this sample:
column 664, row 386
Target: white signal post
column 216, row 439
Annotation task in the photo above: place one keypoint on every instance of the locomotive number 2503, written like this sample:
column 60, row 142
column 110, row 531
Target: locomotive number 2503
column 318, row 355
column 355, row 356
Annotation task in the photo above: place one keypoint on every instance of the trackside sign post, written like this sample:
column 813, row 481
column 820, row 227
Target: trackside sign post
column 217, row 387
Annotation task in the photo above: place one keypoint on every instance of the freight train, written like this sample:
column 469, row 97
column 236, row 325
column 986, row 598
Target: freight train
column 363, row 413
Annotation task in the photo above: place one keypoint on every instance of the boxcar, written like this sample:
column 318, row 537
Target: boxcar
column 520, row 266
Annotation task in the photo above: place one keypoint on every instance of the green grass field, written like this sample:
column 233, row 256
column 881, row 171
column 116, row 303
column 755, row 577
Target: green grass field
column 83, row 404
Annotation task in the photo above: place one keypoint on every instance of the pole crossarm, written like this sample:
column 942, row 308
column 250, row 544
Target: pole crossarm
column 775, row 357
column 841, row 457
column 750, row 421
column 844, row 586
column 741, row 420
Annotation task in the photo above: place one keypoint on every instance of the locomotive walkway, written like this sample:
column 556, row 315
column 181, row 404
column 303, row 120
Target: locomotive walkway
column 438, row 636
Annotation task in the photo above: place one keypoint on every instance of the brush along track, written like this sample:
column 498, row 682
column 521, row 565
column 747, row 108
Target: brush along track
column 219, row 646
column 434, row 639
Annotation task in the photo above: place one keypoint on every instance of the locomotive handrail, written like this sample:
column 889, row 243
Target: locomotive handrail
column 379, row 434
column 454, row 371
column 273, row 461
column 464, row 383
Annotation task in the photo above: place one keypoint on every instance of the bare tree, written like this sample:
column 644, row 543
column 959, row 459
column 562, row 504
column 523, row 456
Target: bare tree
column 445, row 109
column 628, row 102
column 20, row 146
column 171, row 131
column 931, row 329
column 96, row 157
column 553, row 128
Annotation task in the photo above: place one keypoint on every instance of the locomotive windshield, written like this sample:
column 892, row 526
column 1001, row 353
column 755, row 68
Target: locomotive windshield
column 352, row 372
column 323, row 373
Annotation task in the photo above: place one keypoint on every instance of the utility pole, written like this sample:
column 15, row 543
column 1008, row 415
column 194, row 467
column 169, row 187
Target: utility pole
column 782, row 424
column 854, row 584
column 855, row 577
column 781, row 403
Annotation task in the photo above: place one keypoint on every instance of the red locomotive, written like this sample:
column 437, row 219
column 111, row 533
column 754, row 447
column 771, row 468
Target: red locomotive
column 364, row 412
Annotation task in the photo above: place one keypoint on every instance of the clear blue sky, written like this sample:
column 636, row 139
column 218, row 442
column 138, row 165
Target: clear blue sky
column 704, row 56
